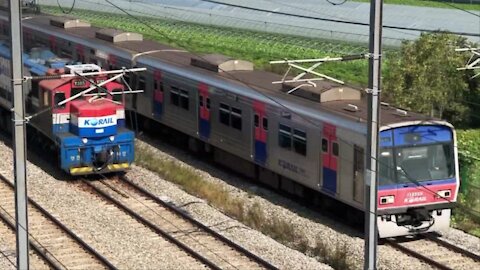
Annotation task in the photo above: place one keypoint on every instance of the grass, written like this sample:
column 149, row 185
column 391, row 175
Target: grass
column 251, row 215
column 432, row 3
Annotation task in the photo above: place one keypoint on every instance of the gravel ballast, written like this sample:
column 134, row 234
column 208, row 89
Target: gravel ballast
column 127, row 245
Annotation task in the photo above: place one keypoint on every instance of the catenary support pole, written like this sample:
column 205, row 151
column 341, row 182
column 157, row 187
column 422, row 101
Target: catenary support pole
column 19, row 135
column 371, row 186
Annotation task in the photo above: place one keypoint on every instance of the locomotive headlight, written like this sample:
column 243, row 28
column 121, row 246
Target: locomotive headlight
column 112, row 138
column 387, row 199
column 444, row 193
column 84, row 140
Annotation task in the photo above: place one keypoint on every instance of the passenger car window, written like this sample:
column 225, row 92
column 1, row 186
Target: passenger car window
column 285, row 136
column 300, row 142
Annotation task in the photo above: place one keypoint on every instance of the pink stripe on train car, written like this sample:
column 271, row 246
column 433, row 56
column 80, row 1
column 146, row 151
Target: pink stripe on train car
column 329, row 133
column 204, row 112
column 416, row 195
column 260, row 133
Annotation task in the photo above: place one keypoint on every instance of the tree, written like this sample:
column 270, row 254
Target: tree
column 423, row 77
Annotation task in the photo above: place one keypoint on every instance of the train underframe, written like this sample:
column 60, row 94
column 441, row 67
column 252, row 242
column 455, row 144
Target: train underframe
column 413, row 220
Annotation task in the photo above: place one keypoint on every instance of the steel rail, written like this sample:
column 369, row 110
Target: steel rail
column 451, row 246
column 69, row 232
column 40, row 251
column 153, row 227
column 179, row 212
column 417, row 255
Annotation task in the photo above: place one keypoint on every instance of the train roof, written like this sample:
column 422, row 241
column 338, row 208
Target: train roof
column 345, row 102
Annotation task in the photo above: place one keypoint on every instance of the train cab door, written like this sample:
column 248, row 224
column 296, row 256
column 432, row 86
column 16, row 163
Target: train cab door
column 157, row 94
column 260, row 128
column 204, row 104
column 330, row 152
column 358, row 173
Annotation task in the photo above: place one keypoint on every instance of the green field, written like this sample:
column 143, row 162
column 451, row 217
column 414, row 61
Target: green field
column 260, row 48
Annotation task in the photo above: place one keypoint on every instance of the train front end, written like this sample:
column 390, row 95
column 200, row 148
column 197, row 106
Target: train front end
column 88, row 122
column 100, row 141
column 418, row 178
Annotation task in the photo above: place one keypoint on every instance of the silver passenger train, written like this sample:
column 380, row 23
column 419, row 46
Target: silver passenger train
column 310, row 141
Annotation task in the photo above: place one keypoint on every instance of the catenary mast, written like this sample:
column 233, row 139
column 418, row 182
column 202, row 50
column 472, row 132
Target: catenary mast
column 19, row 148
column 371, row 190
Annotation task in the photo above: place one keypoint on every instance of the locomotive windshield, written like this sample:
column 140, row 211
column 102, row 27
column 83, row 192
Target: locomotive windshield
column 418, row 154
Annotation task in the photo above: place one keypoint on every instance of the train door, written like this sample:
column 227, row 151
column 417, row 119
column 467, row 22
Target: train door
column 260, row 128
column 157, row 94
column 358, row 173
column 330, row 152
column 204, row 111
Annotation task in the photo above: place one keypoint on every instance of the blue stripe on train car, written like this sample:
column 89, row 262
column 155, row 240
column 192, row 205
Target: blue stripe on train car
column 157, row 108
column 260, row 152
column 204, row 129
column 329, row 180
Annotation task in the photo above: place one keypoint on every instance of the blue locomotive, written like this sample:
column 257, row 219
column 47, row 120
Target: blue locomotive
column 85, row 126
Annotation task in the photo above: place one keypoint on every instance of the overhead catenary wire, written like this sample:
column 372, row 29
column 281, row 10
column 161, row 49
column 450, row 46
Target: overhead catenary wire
column 66, row 11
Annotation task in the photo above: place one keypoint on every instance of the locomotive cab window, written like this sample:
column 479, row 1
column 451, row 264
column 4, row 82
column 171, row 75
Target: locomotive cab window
column 200, row 101
column 285, row 136
column 256, row 120
column 117, row 97
column 59, row 97
column 208, row 103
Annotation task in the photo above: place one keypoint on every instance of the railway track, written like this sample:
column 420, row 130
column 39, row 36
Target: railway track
column 436, row 252
column 59, row 247
column 199, row 241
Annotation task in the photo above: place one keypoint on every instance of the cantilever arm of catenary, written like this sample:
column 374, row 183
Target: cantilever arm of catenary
column 100, row 84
